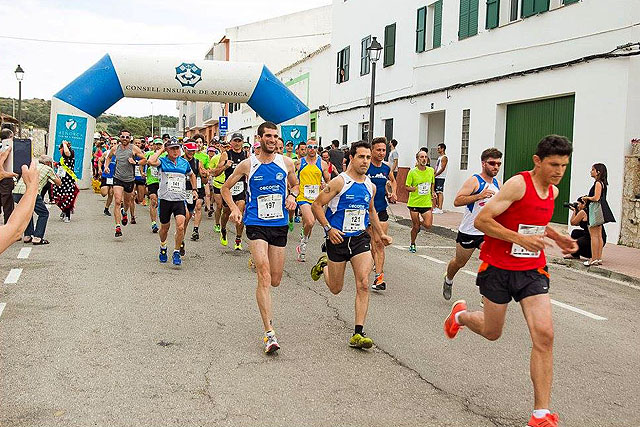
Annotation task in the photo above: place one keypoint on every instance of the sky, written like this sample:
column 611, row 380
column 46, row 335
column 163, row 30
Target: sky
column 188, row 28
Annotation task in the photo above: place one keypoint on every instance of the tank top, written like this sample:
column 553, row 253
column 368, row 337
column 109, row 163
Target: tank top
column 310, row 176
column 195, row 168
column 443, row 175
column 236, row 158
column 267, row 193
column 109, row 171
column 124, row 169
column 529, row 215
column 472, row 209
column 379, row 177
column 348, row 211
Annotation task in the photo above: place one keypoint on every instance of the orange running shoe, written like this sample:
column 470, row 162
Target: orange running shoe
column 550, row 420
column 451, row 328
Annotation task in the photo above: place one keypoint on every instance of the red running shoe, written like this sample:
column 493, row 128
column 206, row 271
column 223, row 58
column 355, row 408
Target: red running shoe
column 451, row 328
column 550, row 420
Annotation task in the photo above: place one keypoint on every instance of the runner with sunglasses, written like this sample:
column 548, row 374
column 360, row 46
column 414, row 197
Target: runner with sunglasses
column 311, row 172
column 473, row 195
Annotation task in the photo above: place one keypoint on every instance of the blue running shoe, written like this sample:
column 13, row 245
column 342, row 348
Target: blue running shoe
column 176, row 258
column 296, row 220
column 163, row 255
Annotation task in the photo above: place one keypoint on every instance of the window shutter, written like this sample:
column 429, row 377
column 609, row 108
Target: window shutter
column 346, row 63
column 541, row 6
column 566, row 2
column 473, row 17
column 493, row 13
column 437, row 23
column 463, row 24
column 389, row 45
column 364, row 56
column 528, row 8
column 338, row 67
column 421, row 29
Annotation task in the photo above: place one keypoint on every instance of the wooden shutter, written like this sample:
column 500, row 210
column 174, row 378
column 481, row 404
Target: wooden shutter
column 473, row 17
column 364, row 56
column 389, row 45
column 493, row 13
column 566, row 2
column 528, row 8
column 463, row 23
column 346, row 63
column 421, row 29
column 541, row 6
column 437, row 23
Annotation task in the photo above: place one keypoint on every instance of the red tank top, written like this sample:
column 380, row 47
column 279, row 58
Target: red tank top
column 529, row 215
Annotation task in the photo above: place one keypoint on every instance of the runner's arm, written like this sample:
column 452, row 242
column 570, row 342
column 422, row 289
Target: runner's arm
column 138, row 152
column 240, row 171
column 112, row 153
column 325, row 171
column 222, row 164
column 292, row 183
column 330, row 191
column 394, row 187
column 408, row 181
column 154, row 159
column 465, row 195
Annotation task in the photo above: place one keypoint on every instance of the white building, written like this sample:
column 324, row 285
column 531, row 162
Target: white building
column 543, row 67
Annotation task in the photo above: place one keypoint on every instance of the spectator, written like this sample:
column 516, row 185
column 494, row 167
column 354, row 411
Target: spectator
column 45, row 175
column 441, row 173
column 289, row 151
column 336, row 156
column 394, row 158
column 345, row 161
column 7, row 183
column 599, row 212
column 332, row 169
column 65, row 195
column 580, row 218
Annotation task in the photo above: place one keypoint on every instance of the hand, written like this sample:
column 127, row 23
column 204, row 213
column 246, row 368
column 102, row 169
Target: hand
column 393, row 198
column 30, row 175
column 335, row 236
column 195, row 195
column 290, row 202
column 229, row 163
column 133, row 162
column 3, row 157
column 486, row 194
column 566, row 244
column 532, row 243
column 236, row 216
column 386, row 239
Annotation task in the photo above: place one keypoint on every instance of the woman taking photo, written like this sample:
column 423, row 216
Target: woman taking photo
column 580, row 218
column 65, row 195
column 599, row 212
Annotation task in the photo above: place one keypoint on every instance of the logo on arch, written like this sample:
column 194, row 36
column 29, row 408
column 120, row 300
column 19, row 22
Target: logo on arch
column 188, row 74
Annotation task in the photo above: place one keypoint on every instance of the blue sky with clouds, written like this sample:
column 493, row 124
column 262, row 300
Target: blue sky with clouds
column 50, row 66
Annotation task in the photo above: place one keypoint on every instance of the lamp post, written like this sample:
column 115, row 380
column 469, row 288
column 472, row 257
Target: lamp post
column 184, row 125
column 374, row 49
column 19, row 76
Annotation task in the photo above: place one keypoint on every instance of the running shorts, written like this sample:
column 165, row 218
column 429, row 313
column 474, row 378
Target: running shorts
column 383, row 215
column 419, row 210
column 127, row 186
column 350, row 247
column 499, row 286
column 274, row 236
column 469, row 241
column 153, row 188
column 170, row 207
column 439, row 185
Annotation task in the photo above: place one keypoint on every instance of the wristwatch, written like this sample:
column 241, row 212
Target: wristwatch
column 327, row 228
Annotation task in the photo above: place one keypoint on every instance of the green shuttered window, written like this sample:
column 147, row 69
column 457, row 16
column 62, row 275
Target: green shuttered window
column 468, row 24
column 493, row 14
column 569, row 1
column 389, row 45
column 343, row 66
column 421, row 29
column 533, row 7
column 437, row 23
column 365, row 64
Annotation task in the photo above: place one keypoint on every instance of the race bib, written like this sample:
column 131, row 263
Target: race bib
column 270, row 206
column 140, row 170
column 198, row 182
column 353, row 220
column 109, row 181
column 190, row 197
column 176, row 183
column 154, row 172
column 519, row 251
column 237, row 188
column 424, row 188
column 311, row 191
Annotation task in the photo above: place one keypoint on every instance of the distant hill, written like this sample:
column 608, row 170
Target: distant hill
column 35, row 112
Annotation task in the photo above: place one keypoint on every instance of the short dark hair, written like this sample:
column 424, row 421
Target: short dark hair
column 124, row 130
column 394, row 143
column 379, row 140
column 442, row 145
column 266, row 125
column 198, row 135
column 359, row 144
column 425, row 149
column 335, row 143
column 302, row 143
column 554, row 145
column 6, row 133
column 490, row 153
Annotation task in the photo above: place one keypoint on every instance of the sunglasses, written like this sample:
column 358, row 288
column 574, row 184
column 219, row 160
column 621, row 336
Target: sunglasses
column 125, row 137
column 493, row 163
column 313, row 147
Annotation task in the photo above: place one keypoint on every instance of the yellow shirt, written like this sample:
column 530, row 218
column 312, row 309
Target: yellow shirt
column 310, row 176
column 213, row 163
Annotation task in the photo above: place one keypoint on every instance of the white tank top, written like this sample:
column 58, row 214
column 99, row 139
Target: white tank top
column 472, row 209
column 443, row 175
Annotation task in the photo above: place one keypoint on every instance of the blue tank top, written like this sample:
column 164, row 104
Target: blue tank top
column 379, row 177
column 266, row 193
column 108, row 173
column 348, row 211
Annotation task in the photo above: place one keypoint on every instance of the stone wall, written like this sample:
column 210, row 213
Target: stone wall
column 630, row 225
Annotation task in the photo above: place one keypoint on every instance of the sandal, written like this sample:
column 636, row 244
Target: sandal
column 41, row 242
column 27, row 240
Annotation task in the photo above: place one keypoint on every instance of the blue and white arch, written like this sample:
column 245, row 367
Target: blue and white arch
column 75, row 108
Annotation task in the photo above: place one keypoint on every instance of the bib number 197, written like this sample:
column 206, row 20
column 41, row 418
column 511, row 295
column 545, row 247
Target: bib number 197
column 270, row 206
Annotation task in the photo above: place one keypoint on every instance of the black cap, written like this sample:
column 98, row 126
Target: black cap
column 166, row 135
column 237, row 135
column 173, row 142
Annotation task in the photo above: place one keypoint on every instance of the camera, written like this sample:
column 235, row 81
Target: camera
column 574, row 205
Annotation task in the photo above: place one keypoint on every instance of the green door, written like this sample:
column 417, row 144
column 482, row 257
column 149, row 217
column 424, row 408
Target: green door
column 527, row 124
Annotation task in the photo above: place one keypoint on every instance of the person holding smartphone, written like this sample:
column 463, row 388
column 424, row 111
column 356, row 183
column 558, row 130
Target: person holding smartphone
column 7, row 183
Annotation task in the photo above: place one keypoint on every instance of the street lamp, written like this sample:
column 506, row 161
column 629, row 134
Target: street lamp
column 184, row 126
column 374, row 50
column 19, row 76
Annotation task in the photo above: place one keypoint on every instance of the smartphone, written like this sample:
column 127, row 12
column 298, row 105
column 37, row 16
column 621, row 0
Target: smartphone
column 22, row 153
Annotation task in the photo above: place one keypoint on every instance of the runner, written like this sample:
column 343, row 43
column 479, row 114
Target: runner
column 268, row 175
column 153, row 182
column 515, row 223
column 280, row 146
column 311, row 172
column 203, row 156
column 229, row 160
column 208, row 202
column 380, row 175
column 140, row 180
column 442, row 164
column 420, row 185
column 172, row 194
column 350, row 211
column 194, row 207
column 124, row 176
column 106, row 182
column 474, row 194
column 216, row 183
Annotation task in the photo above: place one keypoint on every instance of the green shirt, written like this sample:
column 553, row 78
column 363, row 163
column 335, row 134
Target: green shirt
column 213, row 163
column 203, row 158
column 421, row 198
column 292, row 156
column 151, row 170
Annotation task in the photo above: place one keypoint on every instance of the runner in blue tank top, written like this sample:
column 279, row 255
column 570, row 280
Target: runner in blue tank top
column 265, row 217
column 380, row 174
column 350, row 200
column 106, row 183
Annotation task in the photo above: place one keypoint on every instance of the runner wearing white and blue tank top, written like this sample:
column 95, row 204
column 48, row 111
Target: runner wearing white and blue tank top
column 473, row 195
column 350, row 211
column 265, row 217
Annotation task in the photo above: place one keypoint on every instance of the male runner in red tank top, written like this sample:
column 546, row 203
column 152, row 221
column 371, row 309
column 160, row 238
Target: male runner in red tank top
column 515, row 223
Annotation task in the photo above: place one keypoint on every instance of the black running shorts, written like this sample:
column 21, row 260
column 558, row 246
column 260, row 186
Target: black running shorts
column 469, row 241
column 499, row 286
column 350, row 247
column 383, row 215
column 127, row 186
column 169, row 207
column 274, row 236
column 419, row 210
column 153, row 188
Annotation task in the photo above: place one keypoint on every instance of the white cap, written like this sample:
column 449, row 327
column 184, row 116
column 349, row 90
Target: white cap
column 96, row 135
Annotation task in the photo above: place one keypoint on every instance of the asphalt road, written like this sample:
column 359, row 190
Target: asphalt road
column 96, row 332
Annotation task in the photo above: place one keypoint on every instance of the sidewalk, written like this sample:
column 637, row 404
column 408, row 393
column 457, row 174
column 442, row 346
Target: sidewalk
column 620, row 262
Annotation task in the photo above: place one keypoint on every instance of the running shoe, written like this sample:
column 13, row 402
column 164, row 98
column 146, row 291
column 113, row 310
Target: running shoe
column 216, row 228
column 223, row 237
column 323, row 247
column 125, row 219
column 446, row 289
column 412, row 249
column 133, row 219
column 302, row 251
column 550, row 420
column 154, row 228
column 163, row 255
column 106, row 212
column 66, row 219
column 176, row 258
column 270, row 342
column 182, row 251
column 118, row 231
column 451, row 327
column 296, row 220
column 291, row 225
column 238, row 244
column 195, row 236
column 379, row 284
column 317, row 269
column 360, row 341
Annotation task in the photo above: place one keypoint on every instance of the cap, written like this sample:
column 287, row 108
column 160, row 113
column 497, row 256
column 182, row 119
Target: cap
column 191, row 146
column 256, row 145
column 237, row 135
column 96, row 135
column 246, row 144
column 157, row 140
column 166, row 135
column 212, row 148
column 289, row 143
column 172, row 143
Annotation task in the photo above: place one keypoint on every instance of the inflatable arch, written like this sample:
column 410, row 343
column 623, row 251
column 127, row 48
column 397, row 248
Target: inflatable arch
column 75, row 108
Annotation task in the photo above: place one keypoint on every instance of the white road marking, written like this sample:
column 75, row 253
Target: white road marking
column 24, row 253
column 577, row 310
column 436, row 260
column 2, row 306
column 424, row 247
column 13, row 276
column 470, row 273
